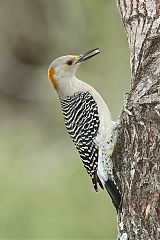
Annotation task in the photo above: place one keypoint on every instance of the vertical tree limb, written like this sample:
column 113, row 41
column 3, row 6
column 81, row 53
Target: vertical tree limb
column 137, row 153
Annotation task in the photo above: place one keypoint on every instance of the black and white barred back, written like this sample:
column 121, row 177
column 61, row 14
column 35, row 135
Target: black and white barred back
column 82, row 122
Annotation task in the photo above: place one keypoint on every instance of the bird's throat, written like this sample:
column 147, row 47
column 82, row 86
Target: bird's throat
column 51, row 78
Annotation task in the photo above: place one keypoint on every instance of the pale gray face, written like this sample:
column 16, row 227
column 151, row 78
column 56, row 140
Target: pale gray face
column 65, row 66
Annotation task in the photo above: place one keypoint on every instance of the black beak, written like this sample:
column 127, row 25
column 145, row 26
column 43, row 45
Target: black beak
column 89, row 54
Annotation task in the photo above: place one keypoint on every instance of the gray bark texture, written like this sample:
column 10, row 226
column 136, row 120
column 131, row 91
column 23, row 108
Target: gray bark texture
column 137, row 152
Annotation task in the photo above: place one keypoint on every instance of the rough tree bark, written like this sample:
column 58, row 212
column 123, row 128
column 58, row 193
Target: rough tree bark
column 137, row 153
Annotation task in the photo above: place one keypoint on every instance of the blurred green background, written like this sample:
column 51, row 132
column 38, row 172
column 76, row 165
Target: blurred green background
column 45, row 193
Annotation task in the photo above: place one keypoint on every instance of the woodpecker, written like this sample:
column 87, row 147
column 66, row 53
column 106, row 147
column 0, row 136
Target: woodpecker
column 87, row 119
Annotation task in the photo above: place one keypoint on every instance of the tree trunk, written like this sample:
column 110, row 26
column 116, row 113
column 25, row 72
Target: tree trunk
column 137, row 152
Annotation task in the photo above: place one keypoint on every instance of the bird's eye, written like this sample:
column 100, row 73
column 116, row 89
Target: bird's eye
column 69, row 62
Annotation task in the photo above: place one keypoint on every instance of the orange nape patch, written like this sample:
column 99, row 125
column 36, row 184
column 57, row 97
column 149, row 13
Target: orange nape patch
column 51, row 74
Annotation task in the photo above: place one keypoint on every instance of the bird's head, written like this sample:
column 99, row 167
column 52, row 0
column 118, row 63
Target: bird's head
column 65, row 66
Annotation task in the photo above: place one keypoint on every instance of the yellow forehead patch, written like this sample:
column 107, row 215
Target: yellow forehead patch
column 75, row 57
column 51, row 74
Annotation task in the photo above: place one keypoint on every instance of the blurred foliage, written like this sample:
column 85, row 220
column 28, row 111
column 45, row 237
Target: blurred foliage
column 45, row 191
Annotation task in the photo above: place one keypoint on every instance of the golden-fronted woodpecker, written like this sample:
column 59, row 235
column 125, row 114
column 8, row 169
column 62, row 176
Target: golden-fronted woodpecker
column 87, row 119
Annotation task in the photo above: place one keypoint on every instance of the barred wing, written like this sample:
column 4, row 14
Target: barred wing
column 82, row 122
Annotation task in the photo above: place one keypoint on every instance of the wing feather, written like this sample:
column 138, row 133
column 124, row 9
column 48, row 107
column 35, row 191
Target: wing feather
column 81, row 118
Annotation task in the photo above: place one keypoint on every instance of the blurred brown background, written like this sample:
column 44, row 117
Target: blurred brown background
column 44, row 189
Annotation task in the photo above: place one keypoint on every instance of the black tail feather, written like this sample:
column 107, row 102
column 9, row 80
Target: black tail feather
column 114, row 193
